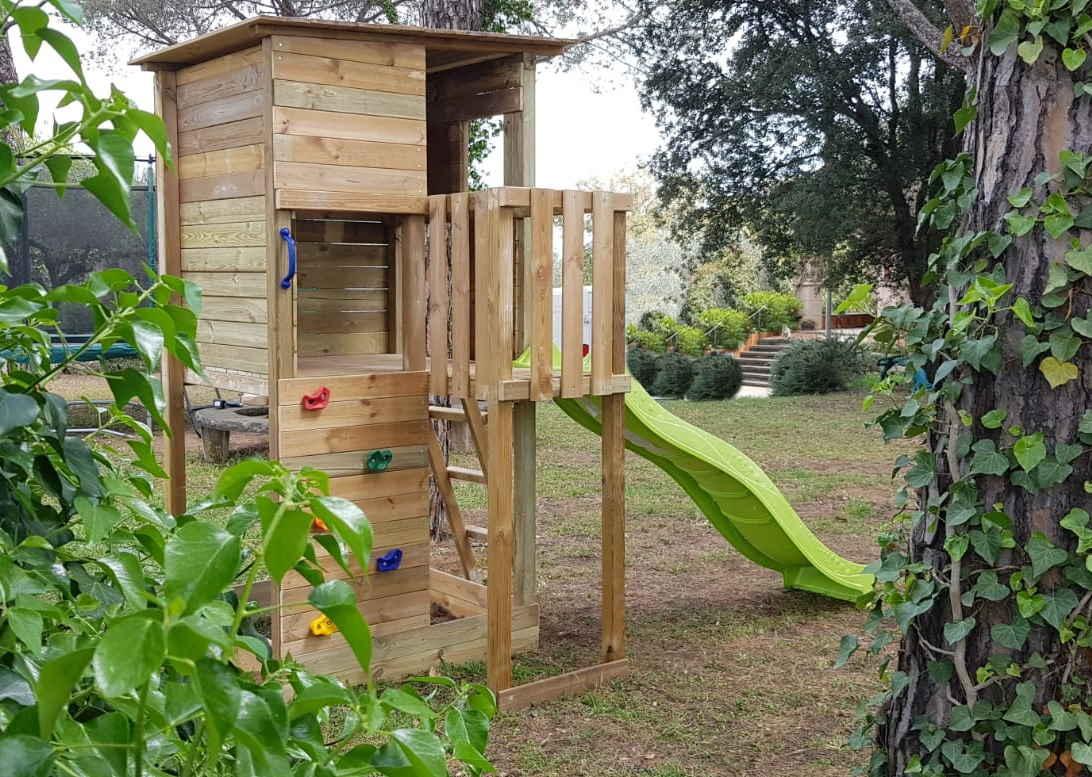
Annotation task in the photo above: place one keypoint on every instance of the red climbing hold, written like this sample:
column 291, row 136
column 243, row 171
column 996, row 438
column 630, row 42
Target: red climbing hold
column 317, row 399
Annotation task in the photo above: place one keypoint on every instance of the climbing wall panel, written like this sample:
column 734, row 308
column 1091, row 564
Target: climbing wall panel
column 369, row 435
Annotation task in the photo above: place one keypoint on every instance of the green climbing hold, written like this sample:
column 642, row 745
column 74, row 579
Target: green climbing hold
column 379, row 461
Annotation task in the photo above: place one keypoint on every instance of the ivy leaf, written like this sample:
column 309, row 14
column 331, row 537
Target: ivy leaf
column 1020, row 711
column 1043, row 554
column 994, row 418
column 1058, row 373
column 1031, row 348
column 1081, row 753
column 1005, row 33
column 846, row 648
column 1024, row 761
column 954, row 632
column 1021, row 198
column 956, row 545
column 1030, row 450
column 1022, row 310
column 987, row 587
column 1059, row 603
column 1073, row 58
column 997, row 244
column 963, row 116
column 1019, row 224
column 1057, row 224
column 1080, row 259
column 987, row 460
column 1011, row 635
column 1029, row 604
column 1061, row 719
column 923, row 471
column 1082, row 326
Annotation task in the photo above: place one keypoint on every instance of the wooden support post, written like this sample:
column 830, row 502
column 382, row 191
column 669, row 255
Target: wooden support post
column 614, row 528
column 454, row 514
column 437, row 294
column 412, row 244
column 519, row 170
column 170, row 262
column 603, row 310
column 499, row 590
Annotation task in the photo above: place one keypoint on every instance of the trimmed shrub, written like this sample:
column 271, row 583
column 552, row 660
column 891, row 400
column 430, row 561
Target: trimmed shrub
column 726, row 328
column 674, row 373
column 771, row 311
column 646, row 340
column 816, row 367
column 717, row 376
column 687, row 339
column 642, row 365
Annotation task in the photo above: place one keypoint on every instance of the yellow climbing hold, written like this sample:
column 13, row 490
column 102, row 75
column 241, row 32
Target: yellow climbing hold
column 322, row 626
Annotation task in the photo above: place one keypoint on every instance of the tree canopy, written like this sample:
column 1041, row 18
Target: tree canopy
column 812, row 124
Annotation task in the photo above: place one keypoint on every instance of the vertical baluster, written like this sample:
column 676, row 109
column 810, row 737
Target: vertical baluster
column 541, row 295
column 602, row 350
column 572, row 293
column 460, row 295
column 437, row 294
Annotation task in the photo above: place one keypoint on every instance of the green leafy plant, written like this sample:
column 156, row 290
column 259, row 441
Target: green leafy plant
column 642, row 365
column 674, row 373
column 716, row 376
column 645, row 339
column 771, row 311
column 125, row 630
column 816, row 367
column 725, row 328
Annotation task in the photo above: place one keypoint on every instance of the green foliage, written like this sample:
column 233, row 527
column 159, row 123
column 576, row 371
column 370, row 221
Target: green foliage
column 716, row 376
column 816, row 367
column 123, row 628
column 725, row 328
column 771, row 311
column 642, row 365
column 659, row 332
column 646, row 339
column 674, row 374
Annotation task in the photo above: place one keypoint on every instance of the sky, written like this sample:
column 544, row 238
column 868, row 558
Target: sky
column 589, row 124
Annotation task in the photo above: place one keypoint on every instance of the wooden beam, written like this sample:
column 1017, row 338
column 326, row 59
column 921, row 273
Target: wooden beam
column 467, row 474
column 170, row 263
column 413, row 292
column 566, row 684
column 438, row 303
column 454, row 514
column 602, row 348
column 614, row 528
column 475, row 419
column 498, row 661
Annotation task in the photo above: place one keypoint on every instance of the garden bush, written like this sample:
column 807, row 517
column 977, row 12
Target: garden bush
column 674, row 374
column 689, row 340
column 716, row 376
column 645, row 339
column 642, row 365
column 724, row 327
column 816, row 367
column 771, row 311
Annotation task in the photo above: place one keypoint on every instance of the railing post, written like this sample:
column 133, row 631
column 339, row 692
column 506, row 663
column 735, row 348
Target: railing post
column 602, row 349
column 437, row 294
column 540, row 295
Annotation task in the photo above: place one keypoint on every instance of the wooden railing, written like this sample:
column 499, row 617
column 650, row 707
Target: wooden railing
column 491, row 258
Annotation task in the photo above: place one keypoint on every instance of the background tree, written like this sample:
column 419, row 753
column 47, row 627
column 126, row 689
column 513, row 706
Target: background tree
column 812, row 123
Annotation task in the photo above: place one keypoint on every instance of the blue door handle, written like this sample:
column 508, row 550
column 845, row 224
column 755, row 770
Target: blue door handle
column 286, row 236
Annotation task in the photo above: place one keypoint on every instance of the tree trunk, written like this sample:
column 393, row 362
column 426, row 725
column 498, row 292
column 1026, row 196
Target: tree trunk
column 452, row 14
column 447, row 15
column 1026, row 116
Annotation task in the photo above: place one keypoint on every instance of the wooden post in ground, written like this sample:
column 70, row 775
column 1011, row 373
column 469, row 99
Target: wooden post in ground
column 519, row 170
column 170, row 263
column 614, row 528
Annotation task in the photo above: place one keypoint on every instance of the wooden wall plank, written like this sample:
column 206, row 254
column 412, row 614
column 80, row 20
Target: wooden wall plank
column 310, row 231
column 328, row 302
column 371, row 386
column 342, row 322
column 354, row 463
column 460, row 294
column 327, row 124
column 541, row 293
column 224, row 259
column 409, row 481
column 366, row 582
column 344, row 99
column 309, row 442
column 319, row 343
column 307, row 199
column 343, row 277
column 221, row 162
column 235, row 309
column 223, row 211
column 350, row 153
column 222, row 111
column 619, row 336
column 252, row 335
column 372, row 52
column 602, row 349
column 326, row 69
column 226, row 235
column 229, row 83
column 220, row 65
column 572, row 295
column 344, row 178
column 235, row 284
column 438, row 308
column 224, row 186
column 330, row 254
column 234, row 357
column 213, row 138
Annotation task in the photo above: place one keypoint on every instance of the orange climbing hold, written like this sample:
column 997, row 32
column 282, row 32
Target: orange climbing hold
column 322, row 626
column 317, row 399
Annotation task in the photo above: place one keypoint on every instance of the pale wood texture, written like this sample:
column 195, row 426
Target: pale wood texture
column 613, row 643
column 572, row 295
column 540, row 291
column 414, row 294
column 454, row 514
column 567, row 684
column 500, row 497
column 170, row 262
column 460, row 295
column 602, row 351
column 438, row 301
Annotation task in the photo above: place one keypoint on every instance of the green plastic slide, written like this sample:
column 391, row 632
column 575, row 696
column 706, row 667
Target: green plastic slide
column 737, row 497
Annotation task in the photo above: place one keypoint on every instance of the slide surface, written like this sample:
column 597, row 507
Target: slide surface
column 737, row 497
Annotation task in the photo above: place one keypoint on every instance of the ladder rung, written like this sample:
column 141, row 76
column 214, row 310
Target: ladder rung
column 454, row 414
column 477, row 533
column 465, row 473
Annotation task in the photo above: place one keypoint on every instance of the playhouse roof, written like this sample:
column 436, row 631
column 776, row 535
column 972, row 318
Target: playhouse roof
column 444, row 48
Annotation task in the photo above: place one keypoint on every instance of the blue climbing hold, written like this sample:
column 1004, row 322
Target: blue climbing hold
column 389, row 561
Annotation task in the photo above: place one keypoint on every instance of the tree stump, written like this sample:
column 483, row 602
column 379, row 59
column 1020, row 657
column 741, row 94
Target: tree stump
column 217, row 424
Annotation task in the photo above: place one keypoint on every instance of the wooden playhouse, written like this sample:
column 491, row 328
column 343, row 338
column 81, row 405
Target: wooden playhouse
column 320, row 199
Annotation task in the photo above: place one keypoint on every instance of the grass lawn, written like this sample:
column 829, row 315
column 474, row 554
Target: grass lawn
column 731, row 674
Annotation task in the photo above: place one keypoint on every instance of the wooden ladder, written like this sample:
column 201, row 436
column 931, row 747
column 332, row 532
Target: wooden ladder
column 472, row 415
